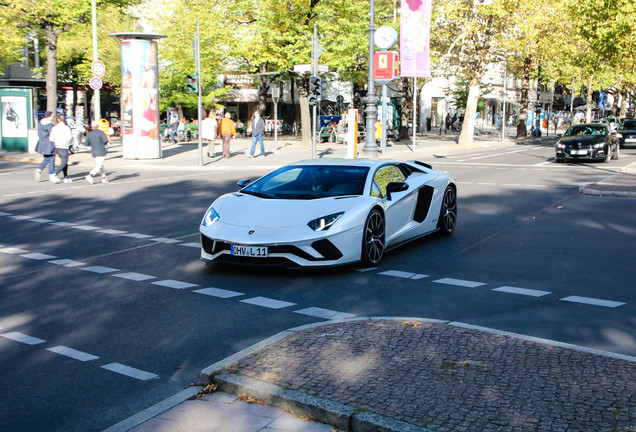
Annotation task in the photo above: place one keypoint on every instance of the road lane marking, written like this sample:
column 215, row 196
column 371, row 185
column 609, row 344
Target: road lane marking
column 6, row 214
column 138, row 235
column 169, row 283
column 67, row 263
column 522, row 291
column 459, row 282
column 100, row 269
column 397, row 273
column 138, row 277
column 164, row 240
column 86, row 227
column 192, row 245
column 268, row 302
column 324, row 313
column 22, row 338
column 129, row 371
column 63, row 224
column 40, row 220
column 21, row 217
column 38, row 256
column 593, row 301
column 112, row 231
column 13, row 251
column 218, row 292
column 72, row 353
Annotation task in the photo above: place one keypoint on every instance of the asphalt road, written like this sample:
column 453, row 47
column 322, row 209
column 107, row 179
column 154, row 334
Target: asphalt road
column 106, row 308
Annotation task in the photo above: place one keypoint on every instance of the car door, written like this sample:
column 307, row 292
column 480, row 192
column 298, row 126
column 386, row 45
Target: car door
column 399, row 209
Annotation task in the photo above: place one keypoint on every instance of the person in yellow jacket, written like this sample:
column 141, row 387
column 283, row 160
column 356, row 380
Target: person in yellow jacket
column 378, row 131
column 226, row 131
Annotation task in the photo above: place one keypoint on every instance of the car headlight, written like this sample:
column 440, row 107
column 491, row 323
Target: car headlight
column 560, row 145
column 619, row 135
column 325, row 222
column 210, row 217
column 599, row 145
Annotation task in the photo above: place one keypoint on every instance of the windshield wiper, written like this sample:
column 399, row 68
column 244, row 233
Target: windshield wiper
column 256, row 194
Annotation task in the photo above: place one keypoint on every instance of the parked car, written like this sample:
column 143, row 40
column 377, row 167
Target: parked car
column 587, row 141
column 627, row 133
column 328, row 212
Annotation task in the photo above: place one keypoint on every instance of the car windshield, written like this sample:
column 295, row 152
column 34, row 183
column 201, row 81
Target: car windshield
column 310, row 182
column 586, row 130
column 628, row 125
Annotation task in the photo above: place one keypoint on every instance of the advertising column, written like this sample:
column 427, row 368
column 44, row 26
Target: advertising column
column 16, row 118
column 139, row 96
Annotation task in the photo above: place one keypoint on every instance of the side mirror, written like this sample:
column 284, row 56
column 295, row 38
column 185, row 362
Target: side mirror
column 395, row 187
column 243, row 183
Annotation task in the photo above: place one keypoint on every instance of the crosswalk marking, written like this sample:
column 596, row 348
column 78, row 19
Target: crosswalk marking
column 38, row 256
column 218, row 292
column 169, row 283
column 100, row 269
column 138, row 277
column 324, row 313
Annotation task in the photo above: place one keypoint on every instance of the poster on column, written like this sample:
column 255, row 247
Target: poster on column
column 14, row 116
column 415, row 31
column 140, row 97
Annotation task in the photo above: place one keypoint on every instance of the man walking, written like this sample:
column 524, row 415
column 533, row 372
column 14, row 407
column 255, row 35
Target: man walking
column 61, row 137
column 208, row 131
column 45, row 147
column 227, row 130
column 98, row 142
column 258, row 129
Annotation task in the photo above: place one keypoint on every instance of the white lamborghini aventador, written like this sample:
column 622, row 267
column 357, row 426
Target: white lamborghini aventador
column 328, row 212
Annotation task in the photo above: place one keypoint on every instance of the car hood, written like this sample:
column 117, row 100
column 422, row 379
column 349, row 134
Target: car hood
column 247, row 210
column 582, row 139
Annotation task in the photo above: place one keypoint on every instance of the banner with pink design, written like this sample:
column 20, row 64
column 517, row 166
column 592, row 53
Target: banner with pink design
column 415, row 31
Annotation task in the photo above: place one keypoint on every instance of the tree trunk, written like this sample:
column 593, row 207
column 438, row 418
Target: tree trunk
column 305, row 120
column 522, row 130
column 468, row 127
column 262, row 88
column 51, row 68
column 588, row 113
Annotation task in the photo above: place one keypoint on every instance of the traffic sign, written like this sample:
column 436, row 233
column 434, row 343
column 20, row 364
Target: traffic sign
column 95, row 83
column 98, row 68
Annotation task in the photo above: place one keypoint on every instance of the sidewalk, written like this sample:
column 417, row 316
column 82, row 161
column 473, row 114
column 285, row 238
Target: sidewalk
column 407, row 375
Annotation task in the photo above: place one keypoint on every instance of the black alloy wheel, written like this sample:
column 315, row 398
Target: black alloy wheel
column 373, row 238
column 448, row 212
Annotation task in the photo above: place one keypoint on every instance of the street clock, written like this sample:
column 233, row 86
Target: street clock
column 385, row 37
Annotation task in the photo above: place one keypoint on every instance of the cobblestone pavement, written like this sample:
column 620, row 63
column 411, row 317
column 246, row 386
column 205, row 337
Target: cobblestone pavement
column 447, row 377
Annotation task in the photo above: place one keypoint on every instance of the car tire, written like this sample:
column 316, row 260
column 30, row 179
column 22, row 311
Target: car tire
column 559, row 160
column 373, row 238
column 448, row 213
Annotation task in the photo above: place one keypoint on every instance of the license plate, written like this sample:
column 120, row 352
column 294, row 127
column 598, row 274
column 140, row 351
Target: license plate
column 249, row 251
column 579, row 152
column 630, row 139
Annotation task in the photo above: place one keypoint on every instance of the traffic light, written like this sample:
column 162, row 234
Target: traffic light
column 315, row 87
column 192, row 83
column 312, row 99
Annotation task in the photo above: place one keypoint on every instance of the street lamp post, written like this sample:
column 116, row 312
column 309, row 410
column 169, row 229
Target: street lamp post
column 96, row 96
column 370, row 148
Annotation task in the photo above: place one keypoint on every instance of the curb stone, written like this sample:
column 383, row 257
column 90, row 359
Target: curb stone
column 324, row 411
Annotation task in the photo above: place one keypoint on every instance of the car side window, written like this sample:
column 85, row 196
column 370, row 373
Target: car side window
column 383, row 176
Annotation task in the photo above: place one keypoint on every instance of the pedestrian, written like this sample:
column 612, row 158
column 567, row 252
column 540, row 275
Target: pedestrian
column 44, row 146
column 208, row 131
column 449, row 120
column 226, row 131
column 258, row 129
column 62, row 137
column 98, row 142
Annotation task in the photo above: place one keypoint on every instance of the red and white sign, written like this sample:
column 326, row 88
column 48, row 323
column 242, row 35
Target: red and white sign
column 385, row 66
column 95, row 83
column 98, row 68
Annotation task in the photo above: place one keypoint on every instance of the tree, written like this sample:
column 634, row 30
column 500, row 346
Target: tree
column 53, row 17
